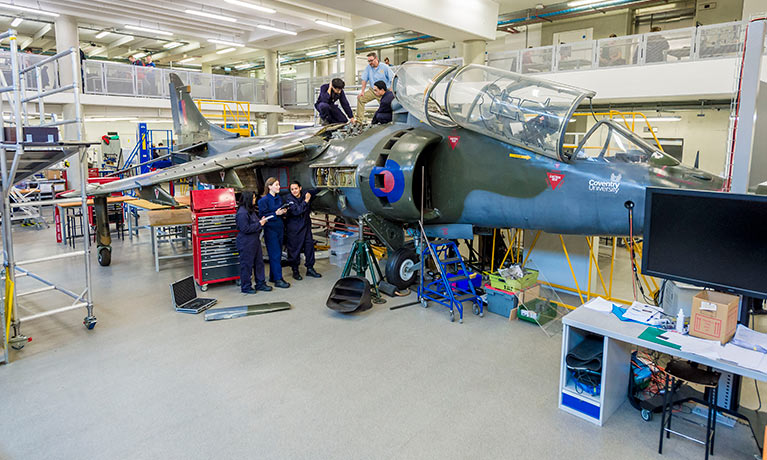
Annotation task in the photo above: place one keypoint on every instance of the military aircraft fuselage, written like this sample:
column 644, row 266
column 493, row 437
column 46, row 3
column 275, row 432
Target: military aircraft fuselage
column 470, row 179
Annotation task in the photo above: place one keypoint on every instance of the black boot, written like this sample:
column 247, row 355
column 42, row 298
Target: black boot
column 311, row 272
column 297, row 275
column 282, row 284
column 263, row 287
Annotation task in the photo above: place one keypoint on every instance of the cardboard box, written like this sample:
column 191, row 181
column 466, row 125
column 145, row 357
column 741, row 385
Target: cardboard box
column 54, row 174
column 714, row 316
column 160, row 217
column 531, row 293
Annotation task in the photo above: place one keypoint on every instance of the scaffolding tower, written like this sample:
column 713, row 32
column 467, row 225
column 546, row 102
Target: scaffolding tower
column 20, row 158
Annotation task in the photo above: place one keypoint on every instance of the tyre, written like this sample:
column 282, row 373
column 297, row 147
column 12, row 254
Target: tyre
column 204, row 287
column 399, row 268
column 105, row 256
column 646, row 415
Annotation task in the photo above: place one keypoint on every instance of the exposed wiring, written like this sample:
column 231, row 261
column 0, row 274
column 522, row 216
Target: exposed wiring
column 591, row 106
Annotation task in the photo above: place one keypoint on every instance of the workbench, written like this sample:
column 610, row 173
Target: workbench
column 620, row 337
column 67, row 211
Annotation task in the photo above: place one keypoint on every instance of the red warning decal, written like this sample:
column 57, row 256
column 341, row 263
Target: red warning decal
column 453, row 140
column 554, row 179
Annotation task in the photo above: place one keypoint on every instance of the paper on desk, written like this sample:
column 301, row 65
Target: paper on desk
column 742, row 357
column 750, row 339
column 708, row 348
column 643, row 313
column 599, row 304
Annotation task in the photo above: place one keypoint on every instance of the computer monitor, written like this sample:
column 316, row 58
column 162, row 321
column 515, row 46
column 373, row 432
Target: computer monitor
column 709, row 239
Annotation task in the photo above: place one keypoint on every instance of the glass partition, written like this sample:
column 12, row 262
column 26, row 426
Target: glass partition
column 575, row 56
column 669, row 46
column 94, row 77
column 513, row 108
column 506, row 60
column 538, row 60
column 119, row 79
column 223, row 87
column 202, row 85
column 618, row 51
column 720, row 40
column 148, row 81
column 246, row 89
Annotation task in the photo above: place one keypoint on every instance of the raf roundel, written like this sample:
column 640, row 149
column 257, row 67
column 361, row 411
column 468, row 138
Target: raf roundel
column 388, row 181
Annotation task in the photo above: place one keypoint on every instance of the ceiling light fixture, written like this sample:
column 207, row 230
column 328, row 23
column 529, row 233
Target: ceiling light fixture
column 333, row 26
column 656, row 9
column 30, row 10
column 139, row 55
column 277, row 29
column 16, row 22
column 205, row 14
column 379, row 40
column 317, row 52
column 226, row 43
column 110, row 119
column 244, row 66
column 189, row 59
column 148, row 29
column 662, row 119
column 593, row 3
column 171, row 45
column 102, row 34
column 263, row 9
column 226, row 50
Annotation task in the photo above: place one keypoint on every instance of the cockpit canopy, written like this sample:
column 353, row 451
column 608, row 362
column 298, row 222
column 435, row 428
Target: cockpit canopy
column 516, row 109
column 610, row 142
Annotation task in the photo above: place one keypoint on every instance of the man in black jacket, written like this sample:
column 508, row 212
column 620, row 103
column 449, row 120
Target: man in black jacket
column 384, row 112
column 326, row 103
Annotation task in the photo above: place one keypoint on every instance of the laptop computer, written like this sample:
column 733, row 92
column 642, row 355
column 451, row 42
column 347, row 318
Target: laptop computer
column 185, row 298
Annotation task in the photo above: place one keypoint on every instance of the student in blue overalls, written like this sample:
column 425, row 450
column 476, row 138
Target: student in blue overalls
column 249, row 244
column 298, row 231
column 271, row 205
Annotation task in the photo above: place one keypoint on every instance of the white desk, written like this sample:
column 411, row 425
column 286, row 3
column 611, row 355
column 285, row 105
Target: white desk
column 620, row 337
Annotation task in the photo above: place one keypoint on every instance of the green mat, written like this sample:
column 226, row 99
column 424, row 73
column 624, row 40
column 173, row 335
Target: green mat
column 651, row 335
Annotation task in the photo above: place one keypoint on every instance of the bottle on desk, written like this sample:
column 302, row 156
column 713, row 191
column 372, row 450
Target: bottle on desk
column 680, row 321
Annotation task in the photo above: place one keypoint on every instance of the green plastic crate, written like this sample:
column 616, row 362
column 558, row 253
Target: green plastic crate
column 539, row 311
column 499, row 282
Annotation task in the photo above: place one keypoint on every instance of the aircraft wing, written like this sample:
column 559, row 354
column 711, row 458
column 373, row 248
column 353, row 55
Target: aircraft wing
column 272, row 150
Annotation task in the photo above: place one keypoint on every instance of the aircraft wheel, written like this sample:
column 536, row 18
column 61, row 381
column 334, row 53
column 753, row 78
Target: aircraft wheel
column 105, row 256
column 399, row 268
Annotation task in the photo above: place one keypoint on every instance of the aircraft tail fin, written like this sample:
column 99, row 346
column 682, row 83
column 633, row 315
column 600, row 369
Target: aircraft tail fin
column 189, row 125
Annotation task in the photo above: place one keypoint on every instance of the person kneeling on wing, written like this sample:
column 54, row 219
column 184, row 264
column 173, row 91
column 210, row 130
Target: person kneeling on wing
column 249, row 244
column 298, row 231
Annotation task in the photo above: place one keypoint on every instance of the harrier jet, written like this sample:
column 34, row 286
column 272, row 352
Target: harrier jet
column 470, row 146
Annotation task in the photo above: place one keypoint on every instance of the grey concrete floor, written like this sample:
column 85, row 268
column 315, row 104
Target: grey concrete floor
column 307, row 383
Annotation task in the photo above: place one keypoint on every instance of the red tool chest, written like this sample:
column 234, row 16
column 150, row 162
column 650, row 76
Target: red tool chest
column 214, row 236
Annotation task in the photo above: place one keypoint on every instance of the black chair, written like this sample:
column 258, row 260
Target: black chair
column 679, row 373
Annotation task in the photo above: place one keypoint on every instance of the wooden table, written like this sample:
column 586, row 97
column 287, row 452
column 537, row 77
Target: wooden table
column 67, row 207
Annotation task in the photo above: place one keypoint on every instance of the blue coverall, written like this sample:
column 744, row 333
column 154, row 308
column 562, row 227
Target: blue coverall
column 273, row 233
column 298, row 229
column 326, row 105
column 249, row 247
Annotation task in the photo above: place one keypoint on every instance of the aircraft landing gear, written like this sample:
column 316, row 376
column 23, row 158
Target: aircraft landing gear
column 105, row 256
column 401, row 267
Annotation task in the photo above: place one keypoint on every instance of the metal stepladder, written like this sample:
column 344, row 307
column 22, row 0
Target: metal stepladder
column 444, row 289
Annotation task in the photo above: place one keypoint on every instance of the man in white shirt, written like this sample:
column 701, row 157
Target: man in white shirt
column 375, row 71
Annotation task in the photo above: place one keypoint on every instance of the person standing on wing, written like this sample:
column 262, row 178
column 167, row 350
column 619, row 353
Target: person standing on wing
column 374, row 72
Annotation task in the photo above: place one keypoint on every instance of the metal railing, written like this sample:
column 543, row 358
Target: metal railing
column 115, row 79
column 715, row 41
